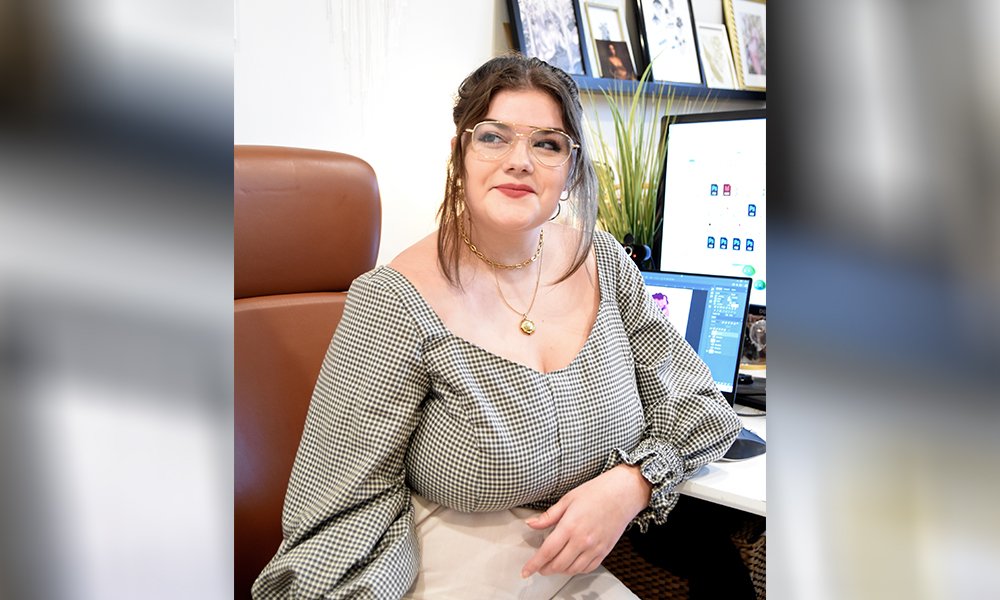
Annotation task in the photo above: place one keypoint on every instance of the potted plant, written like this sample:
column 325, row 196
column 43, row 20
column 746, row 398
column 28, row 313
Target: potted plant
column 630, row 165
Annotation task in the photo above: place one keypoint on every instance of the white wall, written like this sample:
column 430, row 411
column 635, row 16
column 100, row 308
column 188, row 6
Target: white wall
column 293, row 87
column 300, row 80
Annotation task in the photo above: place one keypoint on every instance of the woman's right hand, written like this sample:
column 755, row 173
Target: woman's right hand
column 588, row 521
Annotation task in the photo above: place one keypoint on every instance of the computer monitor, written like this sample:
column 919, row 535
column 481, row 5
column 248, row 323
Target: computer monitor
column 713, row 198
column 710, row 312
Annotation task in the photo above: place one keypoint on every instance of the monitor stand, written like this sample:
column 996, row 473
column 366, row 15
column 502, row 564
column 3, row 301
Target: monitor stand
column 752, row 394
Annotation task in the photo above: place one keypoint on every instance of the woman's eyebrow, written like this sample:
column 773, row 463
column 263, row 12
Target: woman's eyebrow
column 559, row 129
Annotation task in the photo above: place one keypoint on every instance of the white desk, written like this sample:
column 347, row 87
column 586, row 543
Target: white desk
column 740, row 484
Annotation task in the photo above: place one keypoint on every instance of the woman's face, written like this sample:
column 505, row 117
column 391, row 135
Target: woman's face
column 515, row 192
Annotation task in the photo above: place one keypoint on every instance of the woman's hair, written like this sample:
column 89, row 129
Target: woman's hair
column 515, row 72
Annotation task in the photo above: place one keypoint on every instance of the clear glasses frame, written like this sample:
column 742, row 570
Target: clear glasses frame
column 539, row 155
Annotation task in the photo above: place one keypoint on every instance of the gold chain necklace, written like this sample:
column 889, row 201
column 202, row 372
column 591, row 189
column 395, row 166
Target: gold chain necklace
column 527, row 325
column 541, row 234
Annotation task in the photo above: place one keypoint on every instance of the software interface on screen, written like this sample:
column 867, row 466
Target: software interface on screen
column 709, row 313
column 715, row 200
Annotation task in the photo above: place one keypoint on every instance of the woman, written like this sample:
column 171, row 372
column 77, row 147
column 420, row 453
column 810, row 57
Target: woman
column 505, row 366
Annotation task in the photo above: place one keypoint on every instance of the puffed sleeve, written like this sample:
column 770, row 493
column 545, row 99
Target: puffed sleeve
column 688, row 422
column 348, row 519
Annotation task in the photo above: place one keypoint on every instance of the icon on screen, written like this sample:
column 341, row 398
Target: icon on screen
column 736, row 243
column 723, row 243
column 711, row 242
column 715, row 189
column 749, row 245
column 752, row 210
column 726, row 189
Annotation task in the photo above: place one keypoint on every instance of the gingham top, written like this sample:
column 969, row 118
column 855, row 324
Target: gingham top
column 402, row 403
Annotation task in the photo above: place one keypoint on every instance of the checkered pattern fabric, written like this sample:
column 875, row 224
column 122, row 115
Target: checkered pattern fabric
column 402, row 403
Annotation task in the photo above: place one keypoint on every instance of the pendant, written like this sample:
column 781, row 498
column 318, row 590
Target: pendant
column 527, row 326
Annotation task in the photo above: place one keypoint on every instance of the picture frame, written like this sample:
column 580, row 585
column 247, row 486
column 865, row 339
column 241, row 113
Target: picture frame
column 671, row 47
column 604, row 23
column 717, row 56
column 614, row 61
column 747, row 24
column 550, row 30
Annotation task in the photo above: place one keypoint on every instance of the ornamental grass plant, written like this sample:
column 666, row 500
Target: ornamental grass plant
column 630, row 163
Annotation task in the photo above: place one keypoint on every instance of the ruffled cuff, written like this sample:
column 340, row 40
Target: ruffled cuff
column 661, row 466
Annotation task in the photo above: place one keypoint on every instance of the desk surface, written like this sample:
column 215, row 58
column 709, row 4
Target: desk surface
column 740, row 484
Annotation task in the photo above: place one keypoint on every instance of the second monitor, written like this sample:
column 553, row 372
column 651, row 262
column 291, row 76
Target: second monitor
column 713, row 196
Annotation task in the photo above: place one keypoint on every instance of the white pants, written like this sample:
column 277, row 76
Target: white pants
column 469, row 556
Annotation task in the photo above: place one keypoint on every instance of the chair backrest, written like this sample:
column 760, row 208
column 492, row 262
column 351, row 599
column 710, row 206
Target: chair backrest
column 306, row 224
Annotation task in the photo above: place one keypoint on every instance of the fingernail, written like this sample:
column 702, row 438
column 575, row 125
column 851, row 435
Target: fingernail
column 525, row 574
column 531, row 520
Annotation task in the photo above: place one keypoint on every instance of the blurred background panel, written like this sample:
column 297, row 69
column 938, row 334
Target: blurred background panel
column 884, row 335
column 115, row 299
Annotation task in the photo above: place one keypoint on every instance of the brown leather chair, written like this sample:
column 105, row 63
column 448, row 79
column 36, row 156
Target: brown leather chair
column 306, row 224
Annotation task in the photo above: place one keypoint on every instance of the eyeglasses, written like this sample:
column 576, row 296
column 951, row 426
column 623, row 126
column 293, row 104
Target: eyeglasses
column 494, row 139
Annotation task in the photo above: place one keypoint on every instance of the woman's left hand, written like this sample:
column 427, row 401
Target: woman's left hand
column 589, row 521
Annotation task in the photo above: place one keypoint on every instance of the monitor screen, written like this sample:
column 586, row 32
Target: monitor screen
column 713, row 198
column 710, row 312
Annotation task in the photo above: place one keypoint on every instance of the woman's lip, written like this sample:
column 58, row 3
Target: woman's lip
column 515, row 191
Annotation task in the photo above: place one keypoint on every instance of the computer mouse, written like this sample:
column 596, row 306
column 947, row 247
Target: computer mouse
column 747, row 445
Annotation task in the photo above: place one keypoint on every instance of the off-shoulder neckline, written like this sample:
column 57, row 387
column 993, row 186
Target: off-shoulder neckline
column 440, row 325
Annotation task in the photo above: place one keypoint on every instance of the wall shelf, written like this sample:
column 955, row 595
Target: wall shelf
column 680, row 89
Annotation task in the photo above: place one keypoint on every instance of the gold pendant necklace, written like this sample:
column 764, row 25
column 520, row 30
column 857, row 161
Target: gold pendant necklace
column 527, row 325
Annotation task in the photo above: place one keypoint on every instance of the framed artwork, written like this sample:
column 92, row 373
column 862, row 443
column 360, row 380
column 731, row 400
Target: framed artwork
column 747, row 23
column 614, row 60
column 716, row 56
column 549, row 30
column 608, row 41
column 671, row 46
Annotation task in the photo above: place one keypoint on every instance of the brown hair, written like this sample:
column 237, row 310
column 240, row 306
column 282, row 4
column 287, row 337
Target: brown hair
column 516, row 72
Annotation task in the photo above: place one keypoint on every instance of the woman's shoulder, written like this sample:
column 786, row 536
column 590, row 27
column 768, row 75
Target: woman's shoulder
column 608, row 251
column 419, row 263
column 605, row 242
column 395, row 289
column 392, row 283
